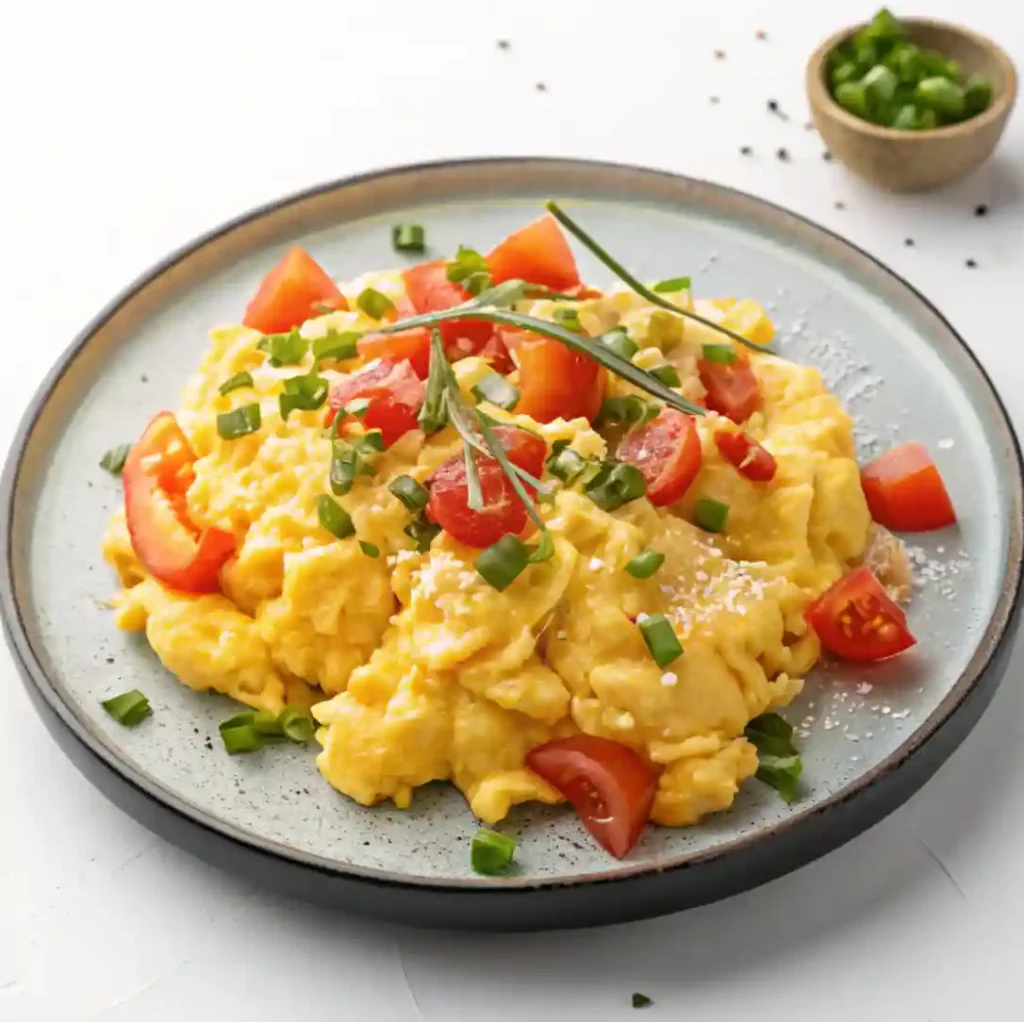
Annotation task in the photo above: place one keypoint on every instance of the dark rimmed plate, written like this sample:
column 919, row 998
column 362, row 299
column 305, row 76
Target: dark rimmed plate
column 872, row 736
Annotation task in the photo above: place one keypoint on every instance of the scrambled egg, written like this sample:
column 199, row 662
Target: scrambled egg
column 418, row 670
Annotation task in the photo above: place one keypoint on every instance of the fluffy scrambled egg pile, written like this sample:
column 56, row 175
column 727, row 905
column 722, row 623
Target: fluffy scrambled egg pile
column 418, row 670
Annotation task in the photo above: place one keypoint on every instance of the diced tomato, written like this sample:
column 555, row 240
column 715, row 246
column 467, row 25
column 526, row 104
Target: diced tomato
column 905, row 492
column 611, row 786
column 555, row 381
column 857, row 620
column 430, row 290
column 747, row 456
column 288, row 293
column 339, row 303
column 503, row 511
column 537, row 253
column 732, row 388
column 395, row 393
column 157, row 474
column 667, row 451
column 496, row 353
column 411, row 345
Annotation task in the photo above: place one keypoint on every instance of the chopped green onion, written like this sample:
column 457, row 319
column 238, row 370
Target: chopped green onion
column 645, row 564
column 943, row 96
column 296, row 725
column 422, row 533
column 673, row 284
column 412, row 494
column 374, row 304
column 284, row 349
column 474, row 494
column 710, row 515
column 619, row 341
column 660, row 638
column 238, row 720
column 906, row 118
column 771, row 735
column 619, row 485
column 467, row 263
column 781, row 773
column 629, row 409
column 592, row 471
column 241, row 422
column 497, row 390
column 880, row 85
column 641, row 1001
column 543, row 551
column 304, row 393
column 242, row 379
column 113, row 461
column 266, row 723
column 242, row 738
column 566, row 465
column 852, row 97
column 343, row 470
column 503, row 562
column 408, row 238
column 371, row 441
column 977, row 94
column 358, row 407
column 335, row 345
column 721, row 354
column 370, row 549
column 667, row 374
column 569, row 318
column 844, row 73
column 128, row 708
column 491, row 852
column 333, row 517
column 433, row 414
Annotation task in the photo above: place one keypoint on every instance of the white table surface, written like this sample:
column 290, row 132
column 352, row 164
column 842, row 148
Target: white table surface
column 128, row 128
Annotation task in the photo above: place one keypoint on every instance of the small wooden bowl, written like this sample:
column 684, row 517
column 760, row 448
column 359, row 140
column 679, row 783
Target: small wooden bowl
column 916, row 161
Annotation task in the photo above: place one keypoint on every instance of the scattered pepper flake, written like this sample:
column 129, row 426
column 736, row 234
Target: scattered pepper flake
column 719, row 54
column 641, row 1001
column 714, row 100
column 504, row 44
column 746, row 151
column 827, row 156
column 773, row 106
column 909, row 242
column 808, row 125
column 761, row 34
column 541, row 87
column 972, row 264
column 839, row 205
column 783, row 155
column 981, row 209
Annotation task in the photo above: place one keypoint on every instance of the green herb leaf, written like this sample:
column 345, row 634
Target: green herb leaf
column 720, row 354
column 629, row 410
column 239, row 380
column 408, row 238
column 491, row 852
column 284, row 349
column 370, row 549
column 781, row 773
column 771, row 735
column 422, row 533
column 495, row 389
column 543, row 551
column 374, row 304
column 333, row 517
column 411, row 493
column 467, row 264
column 567, row 465
column 113, row 461
column 503, row 562
column 474, row 495
column 129, row 708
column 619, row 341
column 304, row 393
column 673, row 284
column 433, row 415
column 240, row 422
column 338, row 345
column 667, row 374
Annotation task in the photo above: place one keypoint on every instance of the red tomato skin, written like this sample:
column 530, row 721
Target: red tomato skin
column 391, row 417
column 668, row 453
column 732, row 389
column 877, row 627
column 611, row 786
column 156, row 476
column 555, row 382
column 537, row 253
column 412, row 346
column 497, row 354
column 747, row 456
column 287, row 294
column 429, row 290
column 905, row 491
column 395, row 393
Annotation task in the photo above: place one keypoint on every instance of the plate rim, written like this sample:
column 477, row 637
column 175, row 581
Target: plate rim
column 993, row 645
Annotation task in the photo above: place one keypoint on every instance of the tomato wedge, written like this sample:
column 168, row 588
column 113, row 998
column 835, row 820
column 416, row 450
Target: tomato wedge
column 905, row 492
column 503, row 511
column 747, row 456
column 537, row 253
column 732, row 388
column 611, row 786
column 857, row 620
column 412, row 346
column 555, row 382
column 395, row 393
column 430, row 290
column 496, row 353
column 667, row 451
column 288, row 293
column 157, row 474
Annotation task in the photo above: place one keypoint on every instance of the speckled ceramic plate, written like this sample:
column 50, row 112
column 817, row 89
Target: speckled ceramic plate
column 872, row 735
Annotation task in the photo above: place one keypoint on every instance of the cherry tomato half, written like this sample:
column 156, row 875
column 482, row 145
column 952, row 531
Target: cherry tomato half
column 905, row 492
column 537, row 253
column 288, row 294
column 611, row 786
column 667, row 451
column 430, row 290
column 395, row 393
column 732, row 388
column 857, row 620
column 747, row 456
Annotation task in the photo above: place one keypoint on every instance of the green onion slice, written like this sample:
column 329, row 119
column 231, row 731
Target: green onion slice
column 242, row 738
column 667, row 374
column 373, row 303
column 241, row 422
column 284, row 349
column 128, row 708
column 645, row 564
column 412, row 494
column 503, row 562
column 238, row 720
column 433, row 414
column 370, row 549
column 468, row 266
column 771, row 735
column 242, row 379
column 474, row 494
column 672, row 284
column 491, row 852
column 497, row 390
column 566, row 465
column 619, row 341
column 720, row 354
column 569, row 318
column 629, row 409
column 422, row 533
column 113, row 461
column 296, row 725
column 710, row 515
column 661, row 639
column 266, row 723
column 336, row 345
column 543, row 551
column 616, row 485
column 304, row 393
column 408, row 238
column 781, row 773
column 333, row 517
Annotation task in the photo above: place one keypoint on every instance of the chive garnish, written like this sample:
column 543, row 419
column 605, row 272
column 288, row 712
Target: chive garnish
column 721, row 354
column 238, row 423
column 238, row 720
column 474, row 493
column 333, row 517
column 433, row 415
column 408, row 238
column 566, row 465
column 615, row 485
column 491, row 852
column 569, row 318
column 113, row 461
column 241, row 739
column 284, row 349
column 303, row 393
column 335, row 345
column 242, row 379
column 619, row 341
column 412, row 494
column 266, row 723
column 503, row 562
column 667, row 374
column 296, row 725
column 672, row 284
column 710, row 515
column 128, row 708
column 645, row 564
column 772, row 735
column 661, row 639
column 374, row 304
column 629, row 410
column 422, row 533
column 543, row 551
column 497, row 390
column 370, row 549
column 781, row 773
column 469, row 269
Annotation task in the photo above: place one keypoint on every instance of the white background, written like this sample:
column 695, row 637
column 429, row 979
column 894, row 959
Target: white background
column 127, row 128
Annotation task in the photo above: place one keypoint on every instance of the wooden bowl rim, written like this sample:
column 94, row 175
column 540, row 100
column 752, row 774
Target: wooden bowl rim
column 1001, row 104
